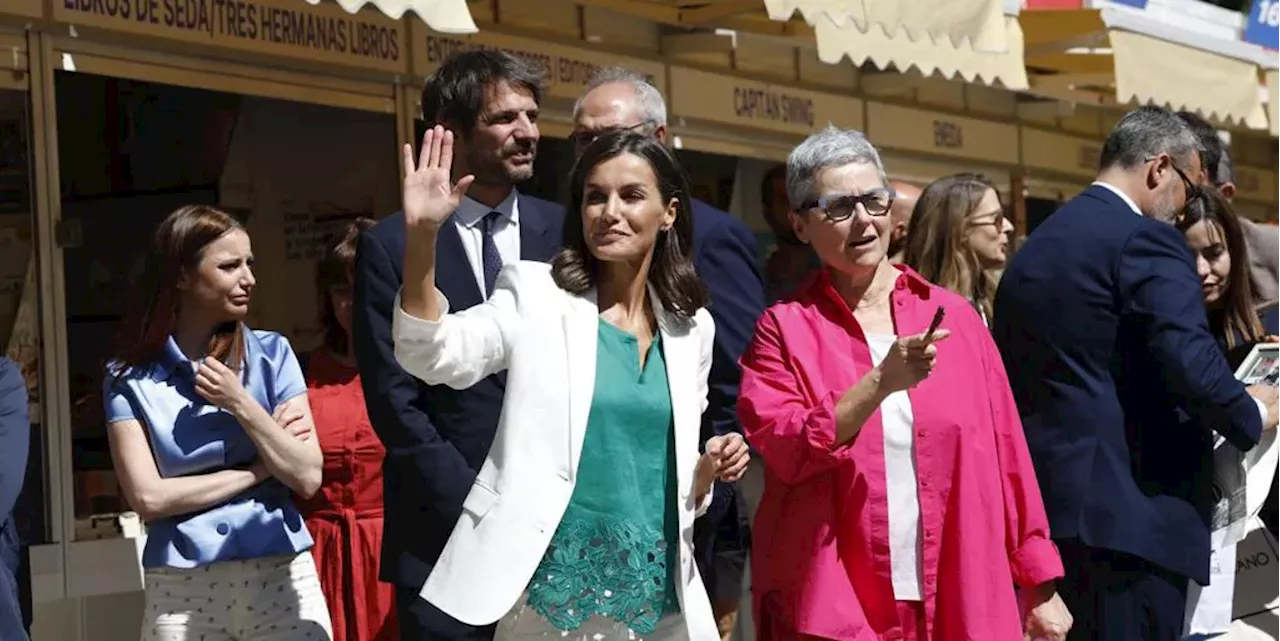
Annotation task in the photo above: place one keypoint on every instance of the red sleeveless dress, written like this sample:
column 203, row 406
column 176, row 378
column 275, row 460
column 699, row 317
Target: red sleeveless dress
column 345, row 516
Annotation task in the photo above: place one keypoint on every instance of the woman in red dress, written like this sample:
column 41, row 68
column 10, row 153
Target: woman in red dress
column 345, row 516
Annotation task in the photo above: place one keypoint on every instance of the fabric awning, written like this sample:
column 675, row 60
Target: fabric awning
column 973, row 40
column 971, row 24
column 1214, row 86
column 1273, row 97
column 940, row 57
column 444, row 16
column 1110, row 56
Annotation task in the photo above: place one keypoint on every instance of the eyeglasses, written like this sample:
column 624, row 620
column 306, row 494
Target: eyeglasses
column 581, row 139
column 1194, row 193
column 840, row 207
column 996, row 218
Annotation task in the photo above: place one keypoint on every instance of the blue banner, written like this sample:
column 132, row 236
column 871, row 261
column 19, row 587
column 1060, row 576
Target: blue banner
column 1140, row 4
column 1261, row 27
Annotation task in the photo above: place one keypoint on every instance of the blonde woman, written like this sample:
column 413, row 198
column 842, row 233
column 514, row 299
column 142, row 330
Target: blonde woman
column 960, row 237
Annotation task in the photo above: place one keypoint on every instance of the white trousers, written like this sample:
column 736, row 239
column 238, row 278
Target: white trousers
column 275, row 598
column 523, row 623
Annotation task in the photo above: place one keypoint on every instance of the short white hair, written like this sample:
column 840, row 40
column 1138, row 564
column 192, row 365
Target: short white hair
column 648, row 99
column 831, row 147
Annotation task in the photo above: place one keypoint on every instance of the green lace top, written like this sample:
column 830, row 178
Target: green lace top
column 615, row 553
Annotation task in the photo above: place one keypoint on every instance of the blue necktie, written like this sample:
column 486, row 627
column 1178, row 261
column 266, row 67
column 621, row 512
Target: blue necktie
column 489, row 256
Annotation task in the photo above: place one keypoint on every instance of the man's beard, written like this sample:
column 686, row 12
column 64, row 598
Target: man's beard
column 1165, row 210
column 492, row 170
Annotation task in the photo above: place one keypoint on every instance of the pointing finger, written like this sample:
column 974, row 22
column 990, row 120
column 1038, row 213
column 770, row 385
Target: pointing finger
column 918, row 341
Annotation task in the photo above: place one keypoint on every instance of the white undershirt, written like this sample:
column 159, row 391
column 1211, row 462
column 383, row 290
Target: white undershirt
column 900, row 473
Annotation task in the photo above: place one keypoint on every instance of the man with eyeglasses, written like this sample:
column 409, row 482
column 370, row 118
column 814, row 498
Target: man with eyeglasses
column 724, row 254
column 1101, row 325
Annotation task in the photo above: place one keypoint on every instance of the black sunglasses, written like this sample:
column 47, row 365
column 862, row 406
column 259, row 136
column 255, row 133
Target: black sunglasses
column 841, row 206
column 1194, row 193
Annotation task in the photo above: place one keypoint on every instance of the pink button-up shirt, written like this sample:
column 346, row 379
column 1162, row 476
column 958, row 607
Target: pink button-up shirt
column 820, row 563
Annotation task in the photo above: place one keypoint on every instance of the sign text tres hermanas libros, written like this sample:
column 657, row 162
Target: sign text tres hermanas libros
column 277, row 27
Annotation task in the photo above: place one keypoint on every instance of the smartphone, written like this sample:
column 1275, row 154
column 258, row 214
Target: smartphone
column 933, row 326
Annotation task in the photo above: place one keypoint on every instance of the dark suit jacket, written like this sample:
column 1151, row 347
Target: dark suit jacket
column 1102, row 328
column 724, row 255
column 436, row 438
column 15, row 435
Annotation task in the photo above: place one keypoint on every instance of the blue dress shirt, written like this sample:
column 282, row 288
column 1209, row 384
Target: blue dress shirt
column 189, row 436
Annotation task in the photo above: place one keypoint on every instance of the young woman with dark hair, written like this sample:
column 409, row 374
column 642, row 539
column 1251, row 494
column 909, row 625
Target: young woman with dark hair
column 189, row 399
column 1213, row 230
column 1222, row 261
column 581, row 519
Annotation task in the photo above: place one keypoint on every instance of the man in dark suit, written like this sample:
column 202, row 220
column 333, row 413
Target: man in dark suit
column 15, row 436
column 724, row 253
column 437, row 438
column 1100, row 323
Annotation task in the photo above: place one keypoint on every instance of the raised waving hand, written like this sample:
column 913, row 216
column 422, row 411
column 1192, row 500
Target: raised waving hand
column 430, row 195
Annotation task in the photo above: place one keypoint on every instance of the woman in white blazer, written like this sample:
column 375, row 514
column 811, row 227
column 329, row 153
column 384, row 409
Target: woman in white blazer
column 580, row 523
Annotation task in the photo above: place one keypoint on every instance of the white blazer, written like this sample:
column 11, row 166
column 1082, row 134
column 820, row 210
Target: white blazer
column 546, row 339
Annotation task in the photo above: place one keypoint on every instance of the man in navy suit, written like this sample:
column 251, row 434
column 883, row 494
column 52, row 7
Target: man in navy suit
column 1101, row 325
column 724, row 254
column 15, row 436
column 437, row 438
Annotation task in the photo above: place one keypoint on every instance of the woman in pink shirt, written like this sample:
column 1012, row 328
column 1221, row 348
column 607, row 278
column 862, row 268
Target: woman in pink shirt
column 900, row 501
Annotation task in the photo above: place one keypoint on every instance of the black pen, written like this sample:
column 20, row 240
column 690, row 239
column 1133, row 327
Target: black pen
column 933, row 326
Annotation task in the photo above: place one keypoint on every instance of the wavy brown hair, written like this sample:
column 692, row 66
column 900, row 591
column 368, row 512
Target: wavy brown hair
column 936, row 247
column 671, row 271
column 176, row 247
column 1234, row 317
column 334, row 271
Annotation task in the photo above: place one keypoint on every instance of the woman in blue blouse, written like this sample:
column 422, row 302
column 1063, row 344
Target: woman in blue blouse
column 190, row 396
column 580, row 522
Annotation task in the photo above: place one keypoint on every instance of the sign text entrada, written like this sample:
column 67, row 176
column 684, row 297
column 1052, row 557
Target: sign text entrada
column 249, row 20
column 559, row 69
